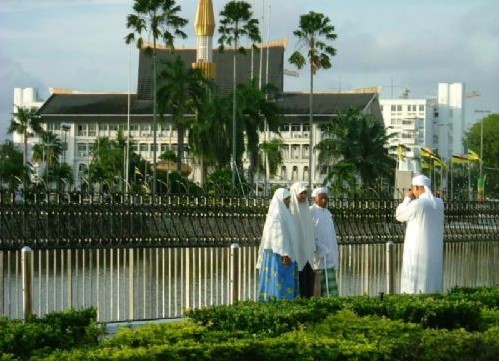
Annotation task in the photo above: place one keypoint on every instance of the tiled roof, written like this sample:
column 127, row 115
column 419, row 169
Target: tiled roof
column 224, row 67
column 93, row 104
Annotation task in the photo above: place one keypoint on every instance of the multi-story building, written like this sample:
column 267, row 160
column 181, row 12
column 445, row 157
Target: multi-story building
column 435, row 123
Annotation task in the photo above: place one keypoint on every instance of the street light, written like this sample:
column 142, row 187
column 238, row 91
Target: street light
column 65, row 127
column 481, row 153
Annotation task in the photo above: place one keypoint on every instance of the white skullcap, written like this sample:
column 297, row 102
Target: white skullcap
column 421, row 180
column 319, row 190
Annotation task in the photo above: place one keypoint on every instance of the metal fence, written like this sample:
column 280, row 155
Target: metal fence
column 187, row 221
column 145, row 260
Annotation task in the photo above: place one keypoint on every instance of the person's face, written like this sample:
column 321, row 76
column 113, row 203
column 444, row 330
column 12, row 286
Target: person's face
column 302, row 196
column 321, row 200
column 417, row 190
column 287, row 202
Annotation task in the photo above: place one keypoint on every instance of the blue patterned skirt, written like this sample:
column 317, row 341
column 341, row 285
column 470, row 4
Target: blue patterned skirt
column 277, row 281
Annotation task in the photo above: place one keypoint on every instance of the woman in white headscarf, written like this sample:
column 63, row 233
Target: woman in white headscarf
column 422, row 266
column 277, row 261
column 299, row 206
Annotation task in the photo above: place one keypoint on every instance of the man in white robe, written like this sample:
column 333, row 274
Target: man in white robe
column 326, row 257
column 422, row 267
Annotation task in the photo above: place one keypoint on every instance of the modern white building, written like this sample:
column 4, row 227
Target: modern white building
column 435, row 123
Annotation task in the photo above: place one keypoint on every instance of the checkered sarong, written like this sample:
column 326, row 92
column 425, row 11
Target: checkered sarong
column 330, row 274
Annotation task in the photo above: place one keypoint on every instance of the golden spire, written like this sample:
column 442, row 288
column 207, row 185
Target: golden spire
column 204, row 23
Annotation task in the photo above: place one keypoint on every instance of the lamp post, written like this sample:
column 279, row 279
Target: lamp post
column 65, row 127
column 481, row 179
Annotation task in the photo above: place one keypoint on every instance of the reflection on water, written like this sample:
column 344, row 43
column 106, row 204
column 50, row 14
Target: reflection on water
column 127, row 284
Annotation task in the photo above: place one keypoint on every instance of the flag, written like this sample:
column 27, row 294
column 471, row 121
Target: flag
column 137, row 171
column 459, row 158
column 402, row 151
column 427, row 153
column 473, row 156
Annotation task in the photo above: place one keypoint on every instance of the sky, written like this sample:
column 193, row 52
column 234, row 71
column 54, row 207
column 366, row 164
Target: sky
column 398, row 45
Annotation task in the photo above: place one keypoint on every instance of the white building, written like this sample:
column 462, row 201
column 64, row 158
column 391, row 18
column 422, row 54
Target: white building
column 436, row 123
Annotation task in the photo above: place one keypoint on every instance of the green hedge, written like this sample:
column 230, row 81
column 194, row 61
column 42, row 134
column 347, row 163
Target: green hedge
column 37, row 337
column 460, row 325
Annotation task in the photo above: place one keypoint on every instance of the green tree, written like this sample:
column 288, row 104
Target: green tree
column 236, row 22
column 210, row 135
column 354, row 147
column 158, row 19
column 256, row 110
column 271, row 152
column 107, row 159
column 11, row 168
column 314, row 33
column 48, row 152
column 24, row 120
column 472, row 141
column 182, row 91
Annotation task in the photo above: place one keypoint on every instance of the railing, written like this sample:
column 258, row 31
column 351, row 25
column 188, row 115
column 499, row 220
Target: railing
column 189, row 221
column 144, row 260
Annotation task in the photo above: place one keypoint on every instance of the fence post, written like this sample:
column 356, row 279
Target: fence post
column 235, row 251
column 389, row 266
column 27, row 277
column 131, row 283
column 1, row 280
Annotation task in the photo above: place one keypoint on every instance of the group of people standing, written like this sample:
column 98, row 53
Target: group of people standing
column 298, row 254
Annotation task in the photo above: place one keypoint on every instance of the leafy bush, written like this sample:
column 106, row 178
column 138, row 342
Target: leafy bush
column 64, row 330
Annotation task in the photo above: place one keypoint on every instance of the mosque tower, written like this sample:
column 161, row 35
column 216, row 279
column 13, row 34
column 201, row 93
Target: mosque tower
column 204, row 26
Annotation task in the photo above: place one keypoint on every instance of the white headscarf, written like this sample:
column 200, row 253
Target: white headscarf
column 423, row 181
column 280, row 233
column 302, row 213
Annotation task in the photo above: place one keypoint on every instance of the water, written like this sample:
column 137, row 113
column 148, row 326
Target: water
column 150, row 283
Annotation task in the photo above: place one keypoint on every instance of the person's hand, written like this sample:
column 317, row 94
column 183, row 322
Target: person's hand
column 286, row 260
column 410, row 194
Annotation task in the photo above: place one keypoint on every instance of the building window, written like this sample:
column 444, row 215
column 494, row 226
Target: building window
column 81, row 149
column 399, row 108
column 283, row 173
column 421, row 108
column 295, row 151
column 82, row 130
column 393, row 108
column 92, row 130
column 305, row 151
column 113, row 128
column 285, row 152
column 295, row 173
column 305, row 174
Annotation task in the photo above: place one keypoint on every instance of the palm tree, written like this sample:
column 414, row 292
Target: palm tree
column 255, row 111
column 23, row 120
column 271, row 150
column 355, row 147
column 159, row 19
column 236, row 22
column 10, row 158
column 182, row 91
column 49, row 150
column 314, row 33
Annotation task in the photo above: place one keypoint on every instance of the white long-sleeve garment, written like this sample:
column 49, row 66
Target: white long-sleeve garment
column 422, row 267
column 327, row 249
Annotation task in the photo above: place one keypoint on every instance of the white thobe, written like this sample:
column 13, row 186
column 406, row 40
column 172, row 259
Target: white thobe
column 327, row 250
column 422, row 267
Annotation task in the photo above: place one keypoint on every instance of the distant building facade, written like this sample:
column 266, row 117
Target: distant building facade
column 436, row 123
